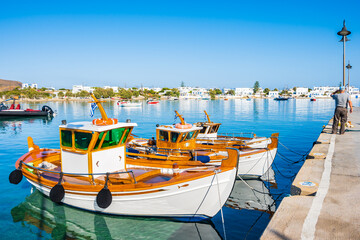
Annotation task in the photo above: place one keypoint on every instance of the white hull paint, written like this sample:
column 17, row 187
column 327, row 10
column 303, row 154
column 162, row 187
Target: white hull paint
column 196, row 198
column 254, row 165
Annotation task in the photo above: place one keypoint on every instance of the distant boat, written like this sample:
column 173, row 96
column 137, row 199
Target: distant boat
column 281, row 98
column 313, row 99
column 128, row 104
column 152, row 102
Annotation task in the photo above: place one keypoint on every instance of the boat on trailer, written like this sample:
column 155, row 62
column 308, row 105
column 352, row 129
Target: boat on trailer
column 13, row 111
column 177, row 144
column 90, row 172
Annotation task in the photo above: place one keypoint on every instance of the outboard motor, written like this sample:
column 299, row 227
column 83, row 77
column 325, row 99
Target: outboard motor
column 47, row 109
column 3, row 107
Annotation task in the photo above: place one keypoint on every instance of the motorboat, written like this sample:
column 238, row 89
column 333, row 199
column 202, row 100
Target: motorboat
column 13, row 111
column 312, row 99
column 177, row 144
column 152, row 101
column 90, row 172
column 280, row 98
column 128, row 104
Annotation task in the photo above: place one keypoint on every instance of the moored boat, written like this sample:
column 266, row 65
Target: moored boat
column 152, row 102
column 13, row 111
column 128, row 104
column 90, row 172
column 177, row 144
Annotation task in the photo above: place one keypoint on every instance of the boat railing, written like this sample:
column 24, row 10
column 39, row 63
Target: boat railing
column 241, row 134
column 91, row 175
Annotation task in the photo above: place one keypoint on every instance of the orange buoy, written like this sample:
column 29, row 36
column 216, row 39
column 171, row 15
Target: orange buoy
column 183, row 126
column 102, row 122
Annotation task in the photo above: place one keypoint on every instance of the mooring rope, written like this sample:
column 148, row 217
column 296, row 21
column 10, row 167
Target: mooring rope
column 222, row 215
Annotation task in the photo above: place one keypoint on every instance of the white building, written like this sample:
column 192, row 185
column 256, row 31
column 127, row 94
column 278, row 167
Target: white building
column 79, row 88
column 301, row 91
column 190, row 92
column 354, row 90
column 26, row 85
column 244, row 92
column 274, row 94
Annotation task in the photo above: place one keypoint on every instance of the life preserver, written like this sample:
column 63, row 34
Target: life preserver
column 102, row 122
column 185, row 126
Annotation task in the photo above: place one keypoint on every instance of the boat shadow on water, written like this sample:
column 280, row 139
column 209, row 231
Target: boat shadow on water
column 66, row 222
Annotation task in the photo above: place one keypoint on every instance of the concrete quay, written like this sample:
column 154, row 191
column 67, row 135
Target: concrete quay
column 325, row 195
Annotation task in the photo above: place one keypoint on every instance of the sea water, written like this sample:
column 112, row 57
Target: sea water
column 27, row 214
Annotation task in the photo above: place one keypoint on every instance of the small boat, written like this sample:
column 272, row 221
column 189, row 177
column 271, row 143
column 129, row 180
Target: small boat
column 13, row 111
column 178, row 144
column 312, row 99
column 90, row 172
column 152, row 102
column 128, row 104
column 281, row 98
column 209, row 135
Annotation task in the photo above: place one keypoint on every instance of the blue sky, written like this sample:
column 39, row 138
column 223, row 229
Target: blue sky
column 162, row 43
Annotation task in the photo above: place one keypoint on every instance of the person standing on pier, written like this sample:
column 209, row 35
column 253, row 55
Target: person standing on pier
column 342, row 100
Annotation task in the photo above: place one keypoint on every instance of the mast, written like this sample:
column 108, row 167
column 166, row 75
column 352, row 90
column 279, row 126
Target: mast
column 101, row 109
column 180, row 117
column 207, row 116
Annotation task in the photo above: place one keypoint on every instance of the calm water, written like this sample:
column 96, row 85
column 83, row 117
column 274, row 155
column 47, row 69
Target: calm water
column 26, row 214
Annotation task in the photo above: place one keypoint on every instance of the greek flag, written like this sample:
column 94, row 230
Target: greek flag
column 92, row 109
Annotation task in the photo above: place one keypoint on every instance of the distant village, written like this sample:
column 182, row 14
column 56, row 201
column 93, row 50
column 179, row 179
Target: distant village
column 80, row 91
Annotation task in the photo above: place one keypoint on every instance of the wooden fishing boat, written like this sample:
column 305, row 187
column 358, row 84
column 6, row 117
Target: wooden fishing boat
column 90, row 172
column 13, row 111
column 177, row 144
column 209, row 135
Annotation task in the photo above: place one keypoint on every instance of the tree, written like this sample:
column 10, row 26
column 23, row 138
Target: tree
column 61, row 94
column 182, row 84
column 294, row 88
column 266, row 91
column 275, row 89
column 231, row 92
column 256, row 87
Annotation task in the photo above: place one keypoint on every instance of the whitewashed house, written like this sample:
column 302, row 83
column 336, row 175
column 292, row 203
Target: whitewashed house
column 79, row 88
column 244, row 92
column 301, row 91
column 273, row 94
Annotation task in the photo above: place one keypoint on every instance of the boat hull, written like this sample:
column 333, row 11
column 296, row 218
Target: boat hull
column 21, row 113
column 192, row 199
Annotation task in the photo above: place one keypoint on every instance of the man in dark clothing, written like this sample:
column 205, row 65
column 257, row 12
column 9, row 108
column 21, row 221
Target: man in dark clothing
column 342, row 100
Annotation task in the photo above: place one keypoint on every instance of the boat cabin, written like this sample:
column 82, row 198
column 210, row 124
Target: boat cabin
column 209, row 128
column 90, row 148
column 175, row 137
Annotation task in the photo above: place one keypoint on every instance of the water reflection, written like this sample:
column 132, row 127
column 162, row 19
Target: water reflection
column 63, row 222
column 14, row 125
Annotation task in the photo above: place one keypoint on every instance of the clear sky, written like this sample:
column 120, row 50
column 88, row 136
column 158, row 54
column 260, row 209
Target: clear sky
column 162, row 43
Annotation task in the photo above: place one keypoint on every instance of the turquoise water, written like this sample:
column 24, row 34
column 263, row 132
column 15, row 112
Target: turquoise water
column 26, row 214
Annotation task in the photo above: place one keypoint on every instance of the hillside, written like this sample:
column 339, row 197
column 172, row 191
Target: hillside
column 6, row 85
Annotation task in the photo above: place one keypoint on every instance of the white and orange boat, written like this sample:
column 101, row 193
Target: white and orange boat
column 150, row 101
column 209, row 135
column 90, row 172
column 178, row 144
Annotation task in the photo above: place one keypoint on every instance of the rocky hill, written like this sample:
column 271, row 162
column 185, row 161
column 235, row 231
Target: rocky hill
column 7, row 85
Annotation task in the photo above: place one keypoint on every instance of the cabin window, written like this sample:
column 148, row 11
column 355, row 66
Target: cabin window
column 217, row 128
column 66, row 138
column 203, row 130
column 174, row 136
column 113, row 137
column 125, row 136
column 196, row 134
column 82, row 140
column 189, row 135
column 99, row 140
column 182, row 137
column 163, row 136
column 212, row 129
